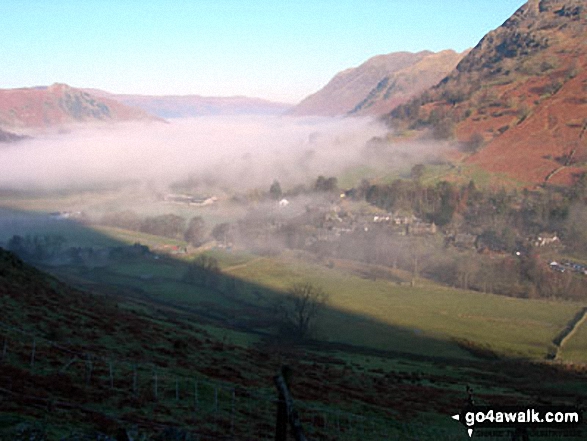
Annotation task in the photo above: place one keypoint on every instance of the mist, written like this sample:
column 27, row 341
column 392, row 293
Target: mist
column 239, row 152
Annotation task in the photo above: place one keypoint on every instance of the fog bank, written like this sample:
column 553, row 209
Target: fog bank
column 229, row 151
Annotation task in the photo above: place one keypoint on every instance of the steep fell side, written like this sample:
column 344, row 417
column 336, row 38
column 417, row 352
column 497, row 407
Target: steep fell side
column 521, row 92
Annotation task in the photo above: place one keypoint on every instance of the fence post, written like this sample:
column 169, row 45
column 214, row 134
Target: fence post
column 195, row 395
column 281, row 417
column 111, row 375
column 155, row 385
column 88, row 369
column 232, row 412
column 134, row 379
column 4, row 348
column 176, row 389
column 33, row 353
column 285, row 400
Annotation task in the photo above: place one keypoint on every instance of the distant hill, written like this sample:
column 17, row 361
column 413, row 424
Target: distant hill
column 8, row 138
column 379, row 84
column 195, row 105
column 519, row 97
column 58, row 105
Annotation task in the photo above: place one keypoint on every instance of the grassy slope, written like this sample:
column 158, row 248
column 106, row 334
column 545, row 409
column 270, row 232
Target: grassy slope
column 355, row 380
column 575, row 349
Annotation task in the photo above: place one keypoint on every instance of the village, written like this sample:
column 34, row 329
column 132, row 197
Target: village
column 321, row 222
column 331, row 219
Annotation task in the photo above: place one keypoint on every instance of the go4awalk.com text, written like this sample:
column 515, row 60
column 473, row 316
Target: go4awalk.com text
column 540, row 420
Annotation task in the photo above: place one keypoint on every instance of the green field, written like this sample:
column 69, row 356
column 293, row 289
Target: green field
column 575, row 349
column 517, row 327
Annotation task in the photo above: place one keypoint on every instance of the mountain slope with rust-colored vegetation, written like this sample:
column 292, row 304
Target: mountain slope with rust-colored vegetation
column 58, row 105
column 518, row 100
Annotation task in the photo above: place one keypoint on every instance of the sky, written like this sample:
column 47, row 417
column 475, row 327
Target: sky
column 281, row 50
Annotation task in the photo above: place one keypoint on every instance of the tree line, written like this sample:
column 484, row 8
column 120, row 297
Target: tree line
column 194, row 231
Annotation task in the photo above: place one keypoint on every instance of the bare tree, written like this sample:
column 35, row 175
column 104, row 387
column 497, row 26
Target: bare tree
column 196, row 232
column 301, row 307
column 275, row 190
column 204, row 271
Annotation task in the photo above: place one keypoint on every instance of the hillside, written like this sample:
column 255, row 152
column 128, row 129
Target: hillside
column 379, row 84
column 521, row 94
column 58, row 105
column 136, row 345
column 8, row 137
column 194, row 105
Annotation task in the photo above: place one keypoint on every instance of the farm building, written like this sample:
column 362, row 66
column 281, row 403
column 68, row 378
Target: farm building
column 544, row 239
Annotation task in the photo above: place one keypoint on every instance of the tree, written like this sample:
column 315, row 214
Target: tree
column 301, row 307
column 578, row 191
column 168, row 225
column 466, row 269
column 127, row 220
column 203, row 271
column 443, row 129
column 417, row 172
column 474, row 143
column 196, row 231
column 16, row 244
column 221, row 233
column 574, row 228
column 36, row 248
column 326, row 184
column 448, row 203
column 275, row 190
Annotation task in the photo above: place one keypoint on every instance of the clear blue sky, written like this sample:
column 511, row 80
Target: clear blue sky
column 280, row 50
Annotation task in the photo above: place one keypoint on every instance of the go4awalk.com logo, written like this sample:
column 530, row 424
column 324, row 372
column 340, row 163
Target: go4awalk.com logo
column 563, row 419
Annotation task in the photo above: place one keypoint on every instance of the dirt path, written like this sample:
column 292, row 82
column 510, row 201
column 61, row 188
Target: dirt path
column 569, row 331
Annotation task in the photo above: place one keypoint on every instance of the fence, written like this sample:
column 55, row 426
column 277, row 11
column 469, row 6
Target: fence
column 52, row 378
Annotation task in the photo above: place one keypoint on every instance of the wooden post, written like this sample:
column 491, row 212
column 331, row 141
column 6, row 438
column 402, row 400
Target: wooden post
column 4, row 348
column 111, row 375
column 176, row 389
column 155, row 384
column 281, row 383
column 33, row 353
column 281, row 420
column 215, row 398
column 88, row 369
column 134, row 379
column 232, row 412
column 196, row 395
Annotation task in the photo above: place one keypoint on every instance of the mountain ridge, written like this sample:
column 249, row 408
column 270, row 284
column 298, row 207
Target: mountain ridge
column 36, row 108
column 177, row 106
column 379, row 84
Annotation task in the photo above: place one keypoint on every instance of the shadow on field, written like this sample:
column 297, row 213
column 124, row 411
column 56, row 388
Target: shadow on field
column 90, row 260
